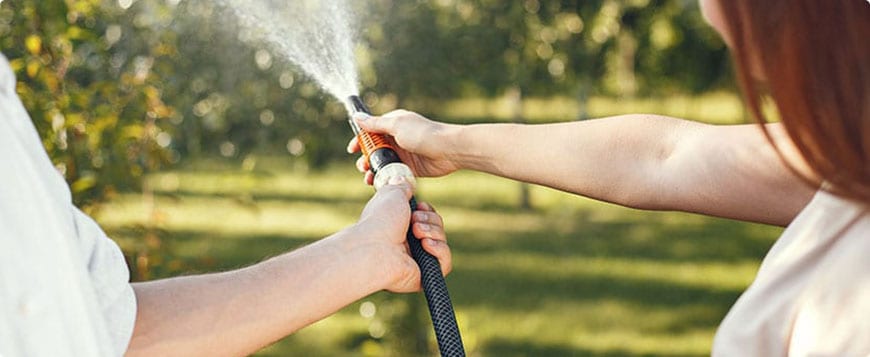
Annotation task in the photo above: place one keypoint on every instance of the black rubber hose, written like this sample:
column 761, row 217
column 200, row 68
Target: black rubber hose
column 434, row 286
column 437, row 297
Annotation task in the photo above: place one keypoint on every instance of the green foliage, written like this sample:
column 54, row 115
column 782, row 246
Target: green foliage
column 94, row 99
column 454, row 48
column 117, row 91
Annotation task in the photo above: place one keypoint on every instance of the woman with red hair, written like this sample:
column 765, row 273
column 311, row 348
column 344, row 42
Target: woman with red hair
column 810, row 171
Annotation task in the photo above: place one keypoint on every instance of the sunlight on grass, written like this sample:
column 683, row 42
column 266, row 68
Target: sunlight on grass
column 589, row 328
column 261, row 181
column 711, row 276
column 231, row 218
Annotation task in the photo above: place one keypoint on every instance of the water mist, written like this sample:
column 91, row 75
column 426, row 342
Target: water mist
column 317, row 36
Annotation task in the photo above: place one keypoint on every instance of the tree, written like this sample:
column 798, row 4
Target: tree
column 97, row 104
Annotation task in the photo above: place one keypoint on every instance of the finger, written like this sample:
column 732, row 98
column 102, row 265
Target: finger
column 362, row 164
column 427, row 231
column 353, row 145
column 430, row 218
column 441, row 251
column 370, row 178
column 425, row 206
column 374, row 124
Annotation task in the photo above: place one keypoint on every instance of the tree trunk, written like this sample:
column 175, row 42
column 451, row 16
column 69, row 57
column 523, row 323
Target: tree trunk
column 627, row 80
column 515, row 96
column 582, row 99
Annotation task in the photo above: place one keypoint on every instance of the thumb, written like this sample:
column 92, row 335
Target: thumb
column 397, row 187
column 375, row 124
column 392, row 197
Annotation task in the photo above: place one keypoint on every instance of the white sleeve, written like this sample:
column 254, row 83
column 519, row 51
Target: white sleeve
column 110, row 278
column 63, row 285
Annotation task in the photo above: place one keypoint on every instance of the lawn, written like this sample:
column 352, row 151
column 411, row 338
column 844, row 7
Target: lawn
column 569, row 277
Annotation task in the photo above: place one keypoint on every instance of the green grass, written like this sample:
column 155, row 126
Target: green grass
column 570, row 277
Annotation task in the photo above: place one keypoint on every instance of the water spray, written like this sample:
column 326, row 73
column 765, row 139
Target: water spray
column 317, row 36
column 385, row 163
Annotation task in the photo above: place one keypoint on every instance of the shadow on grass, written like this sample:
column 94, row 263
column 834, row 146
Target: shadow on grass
column 253, row 198
column 499, row 285
column 644, row 235
column 507, row 290
column 714, row 240
column 202, row 252
column 489, row 205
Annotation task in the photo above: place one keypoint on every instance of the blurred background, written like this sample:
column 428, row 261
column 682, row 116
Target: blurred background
column 199, row 151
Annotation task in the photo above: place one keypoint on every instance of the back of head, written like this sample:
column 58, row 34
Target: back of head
column 812, row 57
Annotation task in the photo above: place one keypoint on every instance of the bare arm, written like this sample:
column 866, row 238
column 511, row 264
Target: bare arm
column 647, row 162
column 238, row 312
column 640, row 161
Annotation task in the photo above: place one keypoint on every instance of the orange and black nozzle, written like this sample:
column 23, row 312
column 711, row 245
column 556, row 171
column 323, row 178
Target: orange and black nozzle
column 375, row 147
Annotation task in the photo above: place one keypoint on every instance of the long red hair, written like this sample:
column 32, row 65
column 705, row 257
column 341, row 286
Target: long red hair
column 814, row 58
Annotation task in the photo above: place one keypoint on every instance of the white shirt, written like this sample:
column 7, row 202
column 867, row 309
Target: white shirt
column 64, row 286
column 811, row 296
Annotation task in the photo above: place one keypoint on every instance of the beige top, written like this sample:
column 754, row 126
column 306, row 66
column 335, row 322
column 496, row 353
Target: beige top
column 812, row 293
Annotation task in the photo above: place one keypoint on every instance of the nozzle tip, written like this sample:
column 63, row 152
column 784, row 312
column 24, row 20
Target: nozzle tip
column 356, row 104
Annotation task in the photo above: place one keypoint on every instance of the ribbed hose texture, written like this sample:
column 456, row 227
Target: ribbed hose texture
column 435, row 290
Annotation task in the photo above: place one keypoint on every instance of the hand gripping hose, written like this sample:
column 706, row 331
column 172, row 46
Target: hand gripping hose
column 385, row 163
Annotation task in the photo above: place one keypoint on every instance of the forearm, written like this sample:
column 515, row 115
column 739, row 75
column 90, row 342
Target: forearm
column 238, row 312
column 647, row 162
column 614, row 159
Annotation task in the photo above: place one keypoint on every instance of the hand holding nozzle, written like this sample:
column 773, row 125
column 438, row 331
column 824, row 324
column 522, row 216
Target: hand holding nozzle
column 424, row 145
column 377, row 150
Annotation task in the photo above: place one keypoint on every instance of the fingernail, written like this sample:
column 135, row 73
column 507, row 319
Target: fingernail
column 425, row 227
column 431, row 241
column 361, row 116
column 421, row 217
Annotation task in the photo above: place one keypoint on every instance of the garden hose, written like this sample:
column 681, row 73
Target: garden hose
column 385, row 163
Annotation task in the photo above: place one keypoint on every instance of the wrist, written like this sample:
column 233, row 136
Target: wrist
column 467, row 145
column 456, row 149
column 365, row 256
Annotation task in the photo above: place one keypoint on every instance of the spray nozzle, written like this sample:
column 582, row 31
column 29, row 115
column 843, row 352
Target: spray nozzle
column 354, row 105
column 382, row 157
